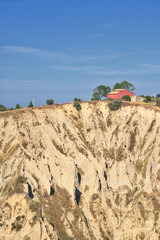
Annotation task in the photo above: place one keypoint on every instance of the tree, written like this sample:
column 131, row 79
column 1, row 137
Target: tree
column 77, row 99
column 158, row 95
column 117, row 86
column 77, row 105
column 17, row 106
column 115, row 105
column 95, row 96
column 147, row 99
column 3, row 108
column 126, row 98
column 124, row 85
column 30, row 104
column 158, row 102
column 100, row 92
column 50, row 101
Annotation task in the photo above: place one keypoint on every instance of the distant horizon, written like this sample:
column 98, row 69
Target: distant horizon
column 45, row 104
column 64, row 49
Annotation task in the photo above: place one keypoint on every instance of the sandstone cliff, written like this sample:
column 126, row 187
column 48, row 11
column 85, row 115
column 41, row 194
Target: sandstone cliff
column 93, row 174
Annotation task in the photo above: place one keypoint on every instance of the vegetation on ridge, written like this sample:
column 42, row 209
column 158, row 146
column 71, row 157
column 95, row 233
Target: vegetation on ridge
column 50, row 101
column 124, row 85
column 99, row 93
column 126, row 98
column 76, row 104
column 115, row 105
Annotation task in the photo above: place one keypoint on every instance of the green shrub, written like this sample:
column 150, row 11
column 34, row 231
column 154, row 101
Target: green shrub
column 77, row 100
column 35, row 207
column 17, row 106
column 158, row 102
column 3, row 108
column 50, row 101
column 126, row 98
column 147, row 99
column 18, row 187
column 63, row 235
column 30, row 104
column 115, row 105
column 10, row 189
column 77, row 105
column 18, row 218
column 18, row 227
column 136, row 189
column 13, row 226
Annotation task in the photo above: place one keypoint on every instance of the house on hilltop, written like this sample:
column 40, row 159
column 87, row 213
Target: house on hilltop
column 119, row 93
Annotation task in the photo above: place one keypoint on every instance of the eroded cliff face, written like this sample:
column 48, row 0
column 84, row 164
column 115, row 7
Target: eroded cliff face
column 93, row 174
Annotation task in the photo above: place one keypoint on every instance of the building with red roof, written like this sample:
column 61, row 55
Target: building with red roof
column 119, row 93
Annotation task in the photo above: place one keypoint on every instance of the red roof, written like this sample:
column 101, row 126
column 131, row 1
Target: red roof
column 119, row 93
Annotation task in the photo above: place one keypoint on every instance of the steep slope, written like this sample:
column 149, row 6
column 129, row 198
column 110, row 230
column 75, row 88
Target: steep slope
column 93, row 174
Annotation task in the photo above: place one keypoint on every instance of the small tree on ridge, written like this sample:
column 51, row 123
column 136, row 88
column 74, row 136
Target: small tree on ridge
column 50, row 101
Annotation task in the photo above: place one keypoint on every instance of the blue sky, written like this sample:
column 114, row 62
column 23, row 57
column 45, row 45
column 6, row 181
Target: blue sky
column 63, row 49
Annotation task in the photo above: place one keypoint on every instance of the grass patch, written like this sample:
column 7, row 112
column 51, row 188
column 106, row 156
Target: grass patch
column 132, row 140
column 139, row 166
column 56, row 209
column 16, row 226
column 120, row 153
column 80, row 171
column 111, row 153
column 18, row 186
column 158, row 175
column 34, row 220
column 151, row 126
column 35, row 207
column 94, row 201
column 145, row 168
column 62, row 235
column 58, row 147
column 130, row 195
column 8, row 152
column 142, row 210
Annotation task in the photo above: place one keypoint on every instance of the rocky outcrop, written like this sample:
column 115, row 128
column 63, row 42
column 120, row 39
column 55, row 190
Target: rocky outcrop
column 92, row 174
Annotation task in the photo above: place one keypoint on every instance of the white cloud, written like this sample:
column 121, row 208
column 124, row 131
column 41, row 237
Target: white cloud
column 71, row 57
column 150, row 67
column 74, row 68
column 111, row 24
column 9, row 81
column 142, row 69
column 153, row 52
column 72, row 61
column 27, row 50
column 106, row 56
column 102, row 71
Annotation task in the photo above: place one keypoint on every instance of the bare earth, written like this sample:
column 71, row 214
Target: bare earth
column 93, row 174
